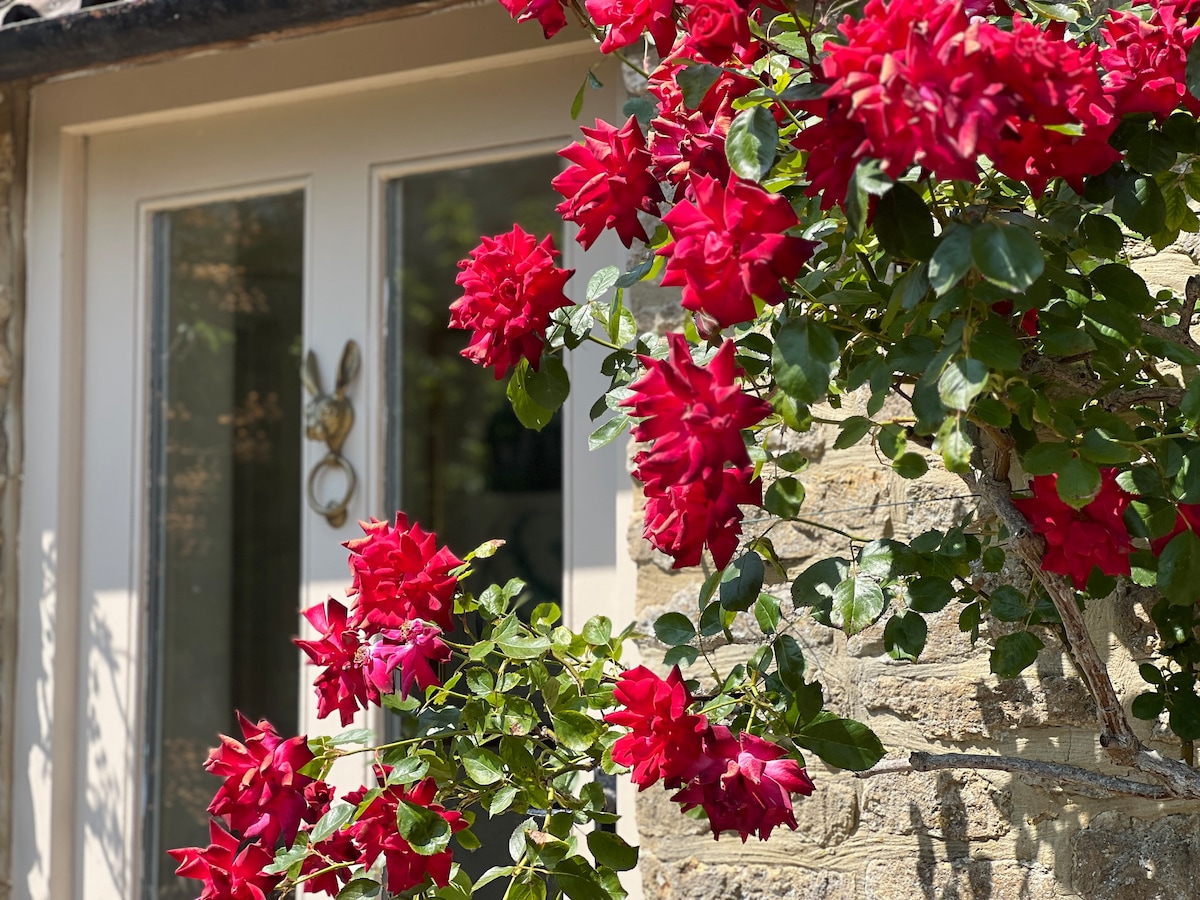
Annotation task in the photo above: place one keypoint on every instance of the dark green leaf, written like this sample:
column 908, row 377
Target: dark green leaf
column 784, row 497
column 1139, row 204
column 1047, row 458
column 1078, row 482
column 549, row 386
column 842, row 743
column 426, row 832
column 644, row 109
column 340, row 812
column 904, row 636
column 790, row 660
column 854, row 429
column 1184, row 717
column 611, row 850
column 530, row 413
column 601, row 283
column 608, row 432
column 961, row 382
column 910, row 465
column 804, row 358
column 1151, row 152
column 766, row 613
column 1101, row 236
column 930, row 594
column 359, row 889
column 482, row 766
column 751, row 142
column 857, row 603
column 1189, row 407
column 954, row 445
column 1007, row 256
column 1147, row 706
column 951, row 260
column 1014, row 653
column 695, row 81
column 904, row 224
column 742, row 582
column 674, row 628
column 1179, row 569
column 1009, row 605
column 407, row 770
column 884, row 559
column 597, row 630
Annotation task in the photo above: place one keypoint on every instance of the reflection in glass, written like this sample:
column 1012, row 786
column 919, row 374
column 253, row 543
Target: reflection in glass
column 225, row 500
column 459, row 462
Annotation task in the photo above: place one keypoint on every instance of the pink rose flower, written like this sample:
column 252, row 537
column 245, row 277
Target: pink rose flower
column 1078, row 539
column 263, row 793
column 746, row 785
column 609, row 183
column 730, row 247
column 664, row 739
column 510, row 286
column 415, row 648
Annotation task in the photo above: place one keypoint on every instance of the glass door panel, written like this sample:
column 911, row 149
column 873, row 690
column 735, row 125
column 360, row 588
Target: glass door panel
column 226, row 436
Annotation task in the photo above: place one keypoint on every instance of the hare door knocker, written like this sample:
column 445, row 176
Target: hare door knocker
column 328, row 418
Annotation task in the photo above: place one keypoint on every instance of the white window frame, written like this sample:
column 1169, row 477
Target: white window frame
column 52, row 693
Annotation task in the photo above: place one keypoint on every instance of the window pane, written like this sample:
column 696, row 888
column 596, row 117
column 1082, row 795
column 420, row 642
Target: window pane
column 459, row 462
column 225, row 515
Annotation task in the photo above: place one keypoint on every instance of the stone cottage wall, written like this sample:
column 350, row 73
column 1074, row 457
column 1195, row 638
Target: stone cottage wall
column 14, row 100
column 960, row 834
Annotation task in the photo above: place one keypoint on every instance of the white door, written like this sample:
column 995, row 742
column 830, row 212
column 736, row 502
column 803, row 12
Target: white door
column 221, row 249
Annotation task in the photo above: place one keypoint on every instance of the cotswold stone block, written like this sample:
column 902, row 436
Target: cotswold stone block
column 1119, row 858
column 950, row 806
column 964, row 878
column 692, row 880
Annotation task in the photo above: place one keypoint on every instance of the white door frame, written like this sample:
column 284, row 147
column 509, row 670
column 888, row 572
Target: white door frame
column 53, row 856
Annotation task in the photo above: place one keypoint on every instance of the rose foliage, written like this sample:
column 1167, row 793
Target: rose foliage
column 912, row 225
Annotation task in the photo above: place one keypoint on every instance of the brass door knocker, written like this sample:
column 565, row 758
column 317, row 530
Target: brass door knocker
column 329, row 418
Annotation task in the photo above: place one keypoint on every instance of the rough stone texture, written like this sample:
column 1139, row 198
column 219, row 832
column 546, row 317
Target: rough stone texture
column 14, row 104
column 944, row 835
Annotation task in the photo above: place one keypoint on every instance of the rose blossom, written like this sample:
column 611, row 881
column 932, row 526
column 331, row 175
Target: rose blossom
column 746, row 784
column 730, row 247
column 548, row 13
column 627, row 19
column 1145, row 62
column 263, row 793
column 510, row 286
column 342, row 685
column 609, row 183
column 664, row 739
column 1078, row 539
column 681, row 520
column 227, row 872
column 415, row 647
column 400, row 574
column 718, row 30
column 375, row 832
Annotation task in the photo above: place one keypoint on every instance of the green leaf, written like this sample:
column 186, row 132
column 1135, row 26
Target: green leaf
column 611, row 850
column 1013, row 653
column 1046, row 458
column 961, row 382
column 1184, row 718
column 407, row 770
column 789, row 659
column 1139, row 204
column 885, row 558
column 904, row 636
column 766, row 613
column 1101, row 236
column 1147, row 706
column 954, row 446
column 951, row 260
column 842, row 743
column 930, row 594
column 695, row 81
column 1078, row 482
column 1189, row 407
column 575, row 730
column 549, row 386
column 857, row 603
column 1151, row 152
column 597, row 630
column 359, row 889
column 674, row 628
column 286, row 858
column 1192, row 72
column 608, row 432
column 601, row 283
column 530, row 413
column 1100, row 447
column 784, row 497
column 910, row 465
column 352, row 736
column 904, row 224
column 853, row 430
column 1009, row 605
column 751, row 143
column 340, row 812
column 1008, row 256
column 868, row 179
column 482, row 766
column 742, row 582
column 502, row 799
column 1179, row 568
column 804, row 358
column 520, row 646
column 426, row 832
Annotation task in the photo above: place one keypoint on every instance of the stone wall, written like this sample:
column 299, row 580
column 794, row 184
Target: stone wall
column 14, row 105
column 960, row 834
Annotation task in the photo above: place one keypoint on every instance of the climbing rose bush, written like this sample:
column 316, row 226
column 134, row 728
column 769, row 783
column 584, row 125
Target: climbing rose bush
column 910, row 223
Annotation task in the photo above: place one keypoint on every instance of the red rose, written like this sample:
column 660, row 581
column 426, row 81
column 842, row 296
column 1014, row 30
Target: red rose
column 664, row 739
column 549, row 14
column 627, row 19
column 228, row 873
column 263, row 793
column 510, row 286
column 415, row 647
column 680, row 520
column 730, row 247
column 718, row 30
column 342, row 685
column 1078, row 539
column 400, row 574
column 375, row 832
column 1145, row 62
column 746, row 785
column 609, row 183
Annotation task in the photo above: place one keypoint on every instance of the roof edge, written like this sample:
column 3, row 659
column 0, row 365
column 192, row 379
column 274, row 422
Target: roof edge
column 142, row 29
